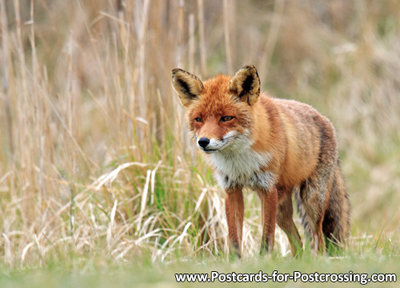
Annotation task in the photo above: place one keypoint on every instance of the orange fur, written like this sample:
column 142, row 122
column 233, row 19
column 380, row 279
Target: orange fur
column 275, row 146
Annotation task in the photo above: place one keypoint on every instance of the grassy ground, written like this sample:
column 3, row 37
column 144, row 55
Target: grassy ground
column 99, row 182
column 143, row 273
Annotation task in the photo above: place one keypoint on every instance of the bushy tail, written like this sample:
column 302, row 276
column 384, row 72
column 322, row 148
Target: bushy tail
column 336, row 223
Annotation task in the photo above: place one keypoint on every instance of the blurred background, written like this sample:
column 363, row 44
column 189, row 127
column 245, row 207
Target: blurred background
column 95, row 160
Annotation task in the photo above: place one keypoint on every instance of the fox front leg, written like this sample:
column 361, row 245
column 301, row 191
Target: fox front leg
column 234, row 209
column 269, row 206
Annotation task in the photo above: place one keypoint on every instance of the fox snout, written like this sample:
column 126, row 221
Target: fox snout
column 231, row 140
column 209, row 145
column 203, row 142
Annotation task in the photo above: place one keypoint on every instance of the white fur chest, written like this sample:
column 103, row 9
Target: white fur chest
column 242, row 168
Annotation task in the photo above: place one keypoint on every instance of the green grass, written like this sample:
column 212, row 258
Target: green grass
column 141, row 272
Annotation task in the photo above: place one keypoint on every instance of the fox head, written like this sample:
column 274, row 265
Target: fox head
column 220, row 110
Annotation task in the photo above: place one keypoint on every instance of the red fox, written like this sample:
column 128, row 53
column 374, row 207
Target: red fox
column 274, row 146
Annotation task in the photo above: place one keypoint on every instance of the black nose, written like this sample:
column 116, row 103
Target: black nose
column 203, row 142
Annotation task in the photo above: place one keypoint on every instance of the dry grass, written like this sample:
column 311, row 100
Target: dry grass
column 95, row 161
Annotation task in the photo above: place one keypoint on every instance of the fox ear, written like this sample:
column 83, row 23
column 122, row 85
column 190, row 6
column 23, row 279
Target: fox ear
column 246, row 84
column 186, row 85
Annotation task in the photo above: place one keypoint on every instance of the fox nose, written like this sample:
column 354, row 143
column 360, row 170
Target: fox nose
column 203, row 142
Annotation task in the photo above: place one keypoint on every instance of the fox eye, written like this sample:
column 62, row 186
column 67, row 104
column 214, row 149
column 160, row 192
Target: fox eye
column 226, row 118
column 197, row 119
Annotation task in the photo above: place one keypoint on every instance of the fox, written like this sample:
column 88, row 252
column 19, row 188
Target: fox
column 276, row 147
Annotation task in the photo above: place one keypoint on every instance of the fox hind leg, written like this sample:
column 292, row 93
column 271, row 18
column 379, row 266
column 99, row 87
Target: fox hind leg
column 312, row 201
column 284, row 219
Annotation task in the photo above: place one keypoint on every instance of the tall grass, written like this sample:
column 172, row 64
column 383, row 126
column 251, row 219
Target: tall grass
column 95, row 158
